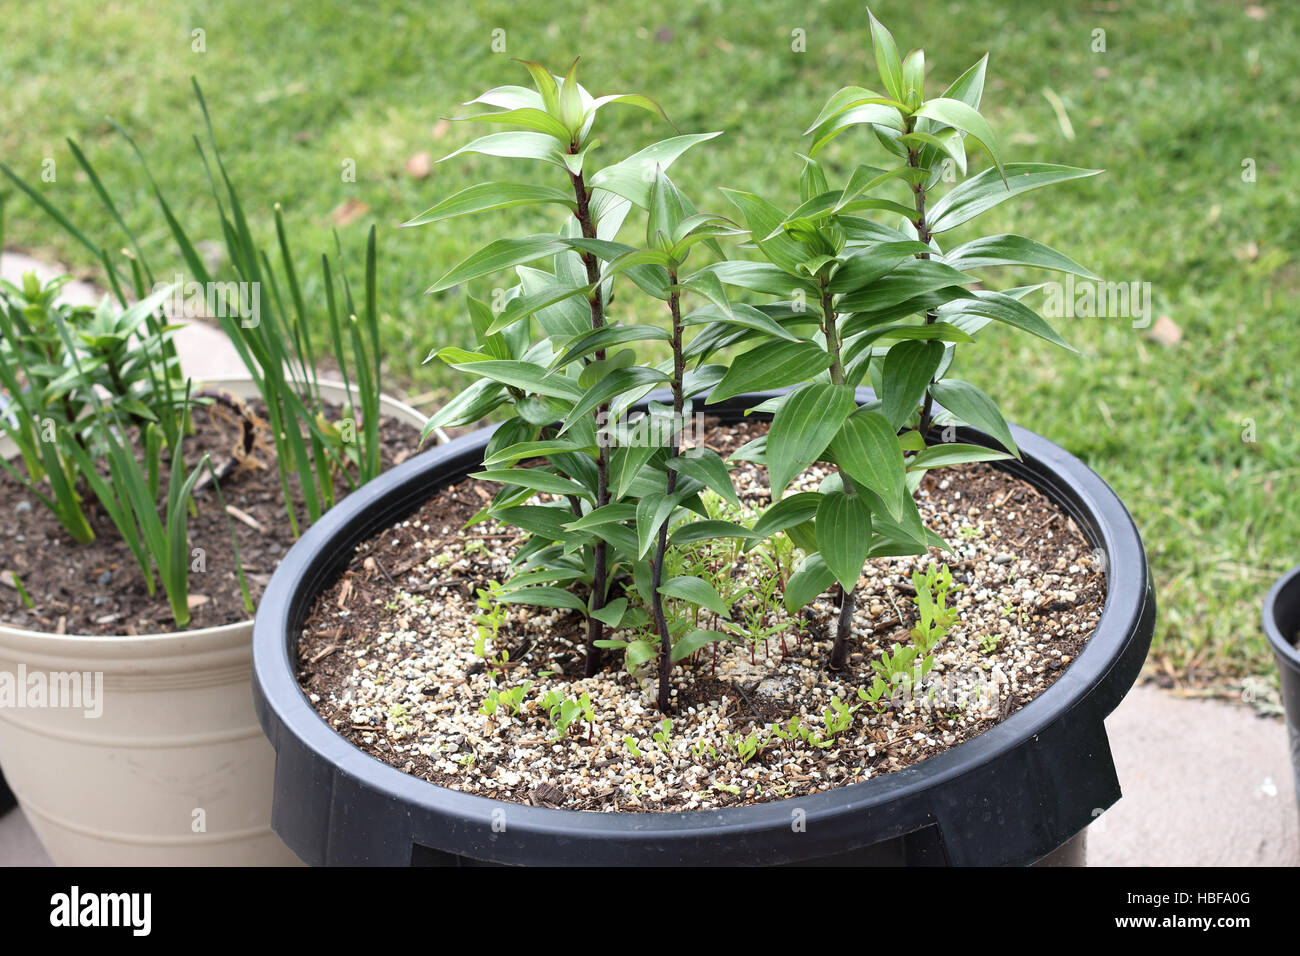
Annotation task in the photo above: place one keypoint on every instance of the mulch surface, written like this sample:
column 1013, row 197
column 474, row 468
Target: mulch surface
column 386, row 657
column 98, row 589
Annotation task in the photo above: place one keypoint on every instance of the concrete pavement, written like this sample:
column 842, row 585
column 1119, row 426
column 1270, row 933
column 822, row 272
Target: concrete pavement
column 1206, row 783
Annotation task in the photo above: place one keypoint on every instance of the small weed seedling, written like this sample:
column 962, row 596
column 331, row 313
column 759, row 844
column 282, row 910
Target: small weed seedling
column 700, row 749
column 17, row 582
column 875, row 694
column 903, row 669
column 746, row 748
column 399, row 717
column 663, row 737
column 936, row 617
column 792, row 731
column 836, row 719
column 509, row 701
column 492, row 614
column 563, row 711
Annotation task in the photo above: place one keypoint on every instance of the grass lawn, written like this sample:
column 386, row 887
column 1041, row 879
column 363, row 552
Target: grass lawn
column 1183, row 95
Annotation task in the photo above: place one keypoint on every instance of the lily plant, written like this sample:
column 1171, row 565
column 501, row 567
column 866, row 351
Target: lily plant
column 853, row 288
column 891, row 308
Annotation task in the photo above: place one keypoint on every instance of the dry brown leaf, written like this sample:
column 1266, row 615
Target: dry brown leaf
column 349, row 212
column 1166, row 331
column 420, row 165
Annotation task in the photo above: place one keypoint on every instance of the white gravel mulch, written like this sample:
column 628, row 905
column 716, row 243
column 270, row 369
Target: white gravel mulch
column 388, row 658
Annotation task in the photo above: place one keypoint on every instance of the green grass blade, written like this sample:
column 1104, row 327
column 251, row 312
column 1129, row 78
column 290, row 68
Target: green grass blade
column 234, row 538
column 52, row 211
column 107, row 200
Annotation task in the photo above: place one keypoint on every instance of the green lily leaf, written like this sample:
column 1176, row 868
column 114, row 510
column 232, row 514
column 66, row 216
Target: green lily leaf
column 695, row 591
column 975, row 408
column 802, row 430
column 485, row 196
column 867, row 448
column 498, row 255
column 844, row 536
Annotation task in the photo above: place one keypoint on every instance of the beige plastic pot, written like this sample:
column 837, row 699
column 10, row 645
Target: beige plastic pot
column 175, row 771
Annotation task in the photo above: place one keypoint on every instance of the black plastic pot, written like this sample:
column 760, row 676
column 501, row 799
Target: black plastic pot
column 1020, row 793
column 1282, row 625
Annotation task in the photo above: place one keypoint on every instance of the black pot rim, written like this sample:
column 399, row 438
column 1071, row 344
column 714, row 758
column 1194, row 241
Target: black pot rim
column 1095, row 681
column 1282, row 646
